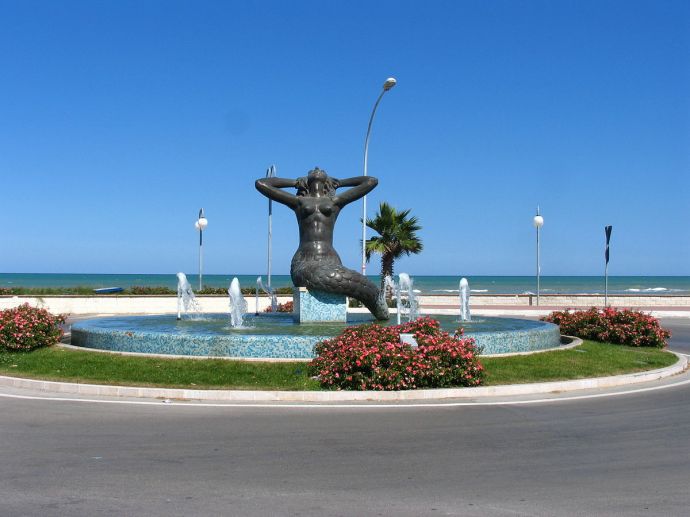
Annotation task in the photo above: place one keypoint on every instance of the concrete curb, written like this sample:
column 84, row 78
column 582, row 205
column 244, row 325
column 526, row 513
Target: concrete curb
column 346, row 396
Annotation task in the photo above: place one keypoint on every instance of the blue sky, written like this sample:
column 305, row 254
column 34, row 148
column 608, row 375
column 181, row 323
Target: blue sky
column 119, row 120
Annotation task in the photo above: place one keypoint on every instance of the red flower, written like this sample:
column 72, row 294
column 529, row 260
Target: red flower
column 27, row 328
column 625, row 327
column 372, row 357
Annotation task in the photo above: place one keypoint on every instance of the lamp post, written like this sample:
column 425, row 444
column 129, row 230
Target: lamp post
column 270, row 173
column 390, row 82
column 538, row 222
column 201, row 225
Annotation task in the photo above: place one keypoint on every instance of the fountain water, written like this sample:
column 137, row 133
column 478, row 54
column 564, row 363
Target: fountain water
column 465, row 300
column 390, row 285
column 256, row 296
column 268, row 291
column 238, row 305
column 186, row 301
column 405, row 297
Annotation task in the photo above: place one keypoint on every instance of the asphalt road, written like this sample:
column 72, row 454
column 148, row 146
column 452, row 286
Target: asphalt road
column 625, row 455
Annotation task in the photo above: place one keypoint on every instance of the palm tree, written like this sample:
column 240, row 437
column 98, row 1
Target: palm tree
column 397, row 236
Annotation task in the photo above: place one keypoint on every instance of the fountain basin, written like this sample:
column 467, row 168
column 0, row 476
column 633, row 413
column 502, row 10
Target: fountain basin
column 278, row 336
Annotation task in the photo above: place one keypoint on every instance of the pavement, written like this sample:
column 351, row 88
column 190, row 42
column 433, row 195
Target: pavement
column 535, row 311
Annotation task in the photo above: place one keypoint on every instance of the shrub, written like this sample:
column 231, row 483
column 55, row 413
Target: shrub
column 276, row 290
column 245, row 290
column 282, row 307
column 621, row 327
column 371, row 357
column 217, row 290
column 150, row 289
column 40, row 291
column 283, row 290
column 27, row 328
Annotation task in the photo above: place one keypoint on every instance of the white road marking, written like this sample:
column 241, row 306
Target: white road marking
column 349, row 406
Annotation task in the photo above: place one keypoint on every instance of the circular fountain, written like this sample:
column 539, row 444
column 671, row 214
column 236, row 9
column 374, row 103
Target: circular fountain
column 278, row 336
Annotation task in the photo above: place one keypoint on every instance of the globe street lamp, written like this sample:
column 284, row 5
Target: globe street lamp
column 538, row 222
column 201, row 225
column 390, row 82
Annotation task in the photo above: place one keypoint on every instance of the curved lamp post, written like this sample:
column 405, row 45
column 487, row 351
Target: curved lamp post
column 390, row 82
column 538, row 222
column 201, row 225
column 270, row 173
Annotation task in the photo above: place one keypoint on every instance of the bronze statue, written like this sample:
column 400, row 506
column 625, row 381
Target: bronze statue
column 316, row 265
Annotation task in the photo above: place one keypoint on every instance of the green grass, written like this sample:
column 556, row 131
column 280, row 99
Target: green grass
column 134, row 290
column 588, row 360
column 591, row 359
column 83, row 290
column 62, row 364
column 41, row 291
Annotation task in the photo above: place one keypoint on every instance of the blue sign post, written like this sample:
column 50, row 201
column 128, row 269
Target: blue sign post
column 607, row 230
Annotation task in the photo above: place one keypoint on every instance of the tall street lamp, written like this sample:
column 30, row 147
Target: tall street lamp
column 538, row 222
column 390, row 82
column 270, row 173
column 201, row 225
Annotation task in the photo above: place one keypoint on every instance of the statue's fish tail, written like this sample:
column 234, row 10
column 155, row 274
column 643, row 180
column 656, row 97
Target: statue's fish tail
column 340, row 280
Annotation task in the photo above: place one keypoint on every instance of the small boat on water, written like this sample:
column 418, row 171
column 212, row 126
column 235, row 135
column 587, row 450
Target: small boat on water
column 108, row 290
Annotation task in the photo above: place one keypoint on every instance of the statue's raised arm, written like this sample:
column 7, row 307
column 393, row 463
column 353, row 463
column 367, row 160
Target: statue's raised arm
column 361, row 186
column 272, row 189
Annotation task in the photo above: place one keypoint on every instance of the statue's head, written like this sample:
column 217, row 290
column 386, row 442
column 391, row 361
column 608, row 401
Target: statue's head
column 316, row 174
column 318, row 184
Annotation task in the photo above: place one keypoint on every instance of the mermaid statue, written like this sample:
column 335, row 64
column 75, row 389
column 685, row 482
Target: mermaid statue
column 316, row 265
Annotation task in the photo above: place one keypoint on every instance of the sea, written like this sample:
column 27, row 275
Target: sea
column 641, row 285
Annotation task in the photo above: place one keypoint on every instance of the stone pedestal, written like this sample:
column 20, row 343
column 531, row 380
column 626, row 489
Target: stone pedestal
column 317, row 306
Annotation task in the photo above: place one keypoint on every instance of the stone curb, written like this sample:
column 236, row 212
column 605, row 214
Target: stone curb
column 346, row 396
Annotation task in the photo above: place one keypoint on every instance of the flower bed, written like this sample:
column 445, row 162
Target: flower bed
column 371, row 357
column 282, row 307
column 27, row 328
column 621, row 327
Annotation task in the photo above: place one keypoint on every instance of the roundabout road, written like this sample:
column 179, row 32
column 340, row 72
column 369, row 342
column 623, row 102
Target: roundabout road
column 624, row 455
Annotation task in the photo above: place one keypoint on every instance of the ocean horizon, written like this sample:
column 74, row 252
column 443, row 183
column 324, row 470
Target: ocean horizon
column 427, row 284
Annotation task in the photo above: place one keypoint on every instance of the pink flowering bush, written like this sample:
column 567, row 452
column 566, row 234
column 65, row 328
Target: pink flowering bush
column 282, row 307
column 371, row 357
column 27, row 328
column 622, row 327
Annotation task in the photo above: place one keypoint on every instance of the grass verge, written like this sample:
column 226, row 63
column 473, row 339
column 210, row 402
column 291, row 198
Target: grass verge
column 591, row 359
column 60, row 364
column 588, row 360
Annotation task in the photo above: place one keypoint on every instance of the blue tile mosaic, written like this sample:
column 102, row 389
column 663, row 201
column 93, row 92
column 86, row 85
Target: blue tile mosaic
column 540, row 337
column 318, row 306
column 277, row 336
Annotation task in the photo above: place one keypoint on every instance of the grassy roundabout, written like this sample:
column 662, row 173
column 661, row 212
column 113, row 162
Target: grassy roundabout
column 591, row 359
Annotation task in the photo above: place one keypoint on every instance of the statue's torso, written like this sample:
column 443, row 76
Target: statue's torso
column 316, row 217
